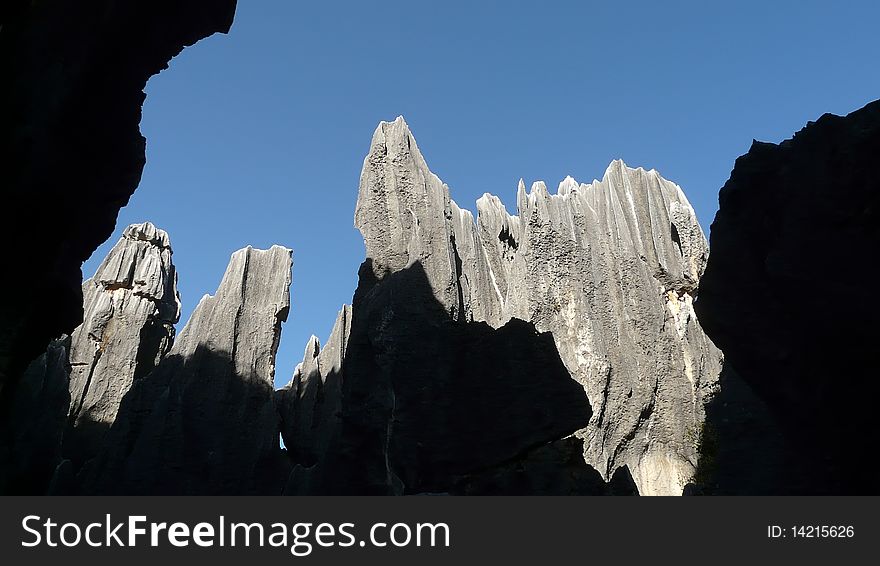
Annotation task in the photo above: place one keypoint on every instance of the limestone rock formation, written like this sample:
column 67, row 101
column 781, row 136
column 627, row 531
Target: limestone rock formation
column 425, row 403
column 204, row 421
column 71, row 153
column 131, row 306
column 609, row 268
column 789, row 294
column 310, row 404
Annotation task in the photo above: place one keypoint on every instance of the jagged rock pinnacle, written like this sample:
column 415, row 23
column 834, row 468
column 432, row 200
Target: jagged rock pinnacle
column 610, row 268
column 130, row 308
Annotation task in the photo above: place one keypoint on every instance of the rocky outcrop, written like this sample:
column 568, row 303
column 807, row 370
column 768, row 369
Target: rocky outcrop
column 204, row 420
column 426, row 403
column 309, row 406
column 131, row 306
column 609, row 269
column 72, row 154
column 554, row 352
column 69, row 397
column 789, row 294
column 35, row 425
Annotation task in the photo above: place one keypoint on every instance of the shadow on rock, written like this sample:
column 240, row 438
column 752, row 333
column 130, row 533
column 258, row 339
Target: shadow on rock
column 31, row 430
column 426, row 401
column 790, row 294
column 193, row 426
column 742, row 450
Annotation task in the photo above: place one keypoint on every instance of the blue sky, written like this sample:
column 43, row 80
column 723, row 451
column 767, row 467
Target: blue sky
column 258, row 137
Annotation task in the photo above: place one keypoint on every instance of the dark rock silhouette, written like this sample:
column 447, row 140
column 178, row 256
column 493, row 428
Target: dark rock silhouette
column 309, row 406
column 71, row 150
column 34, row 426
column 426, row 401
column 204, row 421
column 557, row 468
column 742, row 450
column 609, row 268
column 195, row 426
column 789, row 294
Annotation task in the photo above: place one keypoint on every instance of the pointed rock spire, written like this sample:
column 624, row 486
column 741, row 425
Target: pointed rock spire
column 130, row 308
column 204, row 420
column 610, row 268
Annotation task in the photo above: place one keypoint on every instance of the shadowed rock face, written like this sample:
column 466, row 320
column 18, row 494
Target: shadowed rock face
column 204, row 421
column 72, row 154
column 34, row 427
column 131, row 306
column 132, row 414
column 69, row 397
column 609, row 268
column 790, row 294
column 424, row 402
column 310, row 405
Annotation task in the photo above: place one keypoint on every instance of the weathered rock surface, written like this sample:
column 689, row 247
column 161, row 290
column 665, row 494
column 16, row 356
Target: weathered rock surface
column 71, row 153
column 610, row 268
column 204, row 421
column 790, row 294
column 310, row 405
column 425, row 401
column 131, row 306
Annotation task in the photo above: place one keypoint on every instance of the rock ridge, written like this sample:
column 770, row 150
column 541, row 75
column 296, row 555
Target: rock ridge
column 610, row 268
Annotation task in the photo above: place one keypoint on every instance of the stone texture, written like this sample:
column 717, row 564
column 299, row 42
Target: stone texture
column 425, row 401
column 71, row 153
column 790, row 295
column 204, row 421
column 131, row 306
column 610, row 268
column 309, row 406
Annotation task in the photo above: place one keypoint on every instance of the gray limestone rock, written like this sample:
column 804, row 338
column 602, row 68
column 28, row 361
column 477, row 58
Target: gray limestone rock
column 426, row 401
column 130, row 306
column 310, row 404
column 610, row 268
column 243, row 319
column 204, row 421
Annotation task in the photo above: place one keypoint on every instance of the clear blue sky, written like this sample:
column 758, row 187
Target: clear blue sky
column 257, row 137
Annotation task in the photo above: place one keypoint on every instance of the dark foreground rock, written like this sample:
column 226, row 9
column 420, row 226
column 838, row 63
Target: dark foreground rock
column 71, row 153
column 204, row 421
column 604, row 272
column 34, row 427
column 790, row 295
column 421, row 401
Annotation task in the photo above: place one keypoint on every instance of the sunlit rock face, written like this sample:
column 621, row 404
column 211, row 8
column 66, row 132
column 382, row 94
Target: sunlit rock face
column 204, row 420
column 130, row 308
column 73, row 392
column 610, row 268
